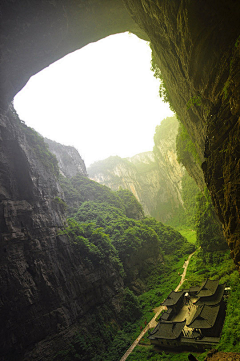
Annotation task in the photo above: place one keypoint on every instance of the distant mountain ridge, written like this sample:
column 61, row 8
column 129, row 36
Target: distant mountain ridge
column 154, row 177
column 69, row 160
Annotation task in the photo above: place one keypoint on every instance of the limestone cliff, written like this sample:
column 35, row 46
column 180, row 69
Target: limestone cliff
column 69, row 160
column 196, row 46
column 46, row 289
column 153, row 177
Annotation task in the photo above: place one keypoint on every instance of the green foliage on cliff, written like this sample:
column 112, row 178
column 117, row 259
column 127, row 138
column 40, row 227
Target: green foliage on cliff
column 185, row 147
column 107, row 229
column 80, row 189
column 92, row 245
column 89, row 190
column 209, row 233
column 118, row 217
column 171, row 242
column 189, row 193
column 230, row 339
column 135, row 240
column 133, row 209
column 163, row 91
column 213, row 265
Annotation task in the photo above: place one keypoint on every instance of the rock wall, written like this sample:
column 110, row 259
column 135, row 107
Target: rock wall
column 153, row 177
column 45, row 288
column 69, row 160
column 196, row 45
column 35, row 34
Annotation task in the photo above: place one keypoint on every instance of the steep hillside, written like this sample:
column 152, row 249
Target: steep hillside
column 153, row 177
column 58, row 276
column 46, row 288
column 196, row 47
column 69, row 160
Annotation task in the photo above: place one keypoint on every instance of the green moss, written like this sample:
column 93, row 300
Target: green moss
column 225, row 89
column 163, row 91
column 185, row 147
column 197, row 100
column 60, row 202
column 230, row 339
column 209, row 230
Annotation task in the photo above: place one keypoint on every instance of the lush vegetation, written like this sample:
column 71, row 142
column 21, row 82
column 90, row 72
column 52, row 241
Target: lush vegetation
column 132, row 207
column 184, row 218
column 163, row 91
column 79, row 189
column 219, row 265
column 109, row 228
column 208, row 227
column 213, row 265
column 186, row 149
column 190, row 192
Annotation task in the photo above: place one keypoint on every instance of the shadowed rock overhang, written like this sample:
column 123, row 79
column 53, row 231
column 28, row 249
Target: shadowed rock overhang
column 197, row 48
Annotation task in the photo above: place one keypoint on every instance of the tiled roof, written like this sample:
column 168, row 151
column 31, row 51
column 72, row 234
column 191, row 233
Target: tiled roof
column 166, row 315
column 212, row 300
column 167, row 330
column 173, row 298
column 204, row 317
column 208, row 288
column 194, row 289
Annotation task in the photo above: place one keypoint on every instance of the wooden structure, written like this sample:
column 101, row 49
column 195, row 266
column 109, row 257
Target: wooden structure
column 194, row 318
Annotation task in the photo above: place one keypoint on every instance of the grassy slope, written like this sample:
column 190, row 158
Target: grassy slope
column 188, row 233
column 217, row 265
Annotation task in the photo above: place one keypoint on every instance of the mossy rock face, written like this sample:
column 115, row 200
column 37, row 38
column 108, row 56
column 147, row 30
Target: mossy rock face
column 198, row 55
column 196, row 44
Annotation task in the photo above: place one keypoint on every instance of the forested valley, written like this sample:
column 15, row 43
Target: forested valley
column 110, row 228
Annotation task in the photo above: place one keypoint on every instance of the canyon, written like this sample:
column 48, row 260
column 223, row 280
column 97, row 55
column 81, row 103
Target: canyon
column 196, row 46
column 154, row 177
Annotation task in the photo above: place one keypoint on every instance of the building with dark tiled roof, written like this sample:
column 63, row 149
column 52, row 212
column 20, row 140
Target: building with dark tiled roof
column 166, row 315
column 204, row 317
column 194, row 318
column 173, row 298
column 208, row 288
column 213, row 299
column 167, row 330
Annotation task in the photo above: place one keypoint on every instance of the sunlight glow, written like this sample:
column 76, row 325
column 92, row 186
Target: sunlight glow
column 101, row 99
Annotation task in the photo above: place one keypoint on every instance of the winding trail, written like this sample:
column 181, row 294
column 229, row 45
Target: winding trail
column 153, row 322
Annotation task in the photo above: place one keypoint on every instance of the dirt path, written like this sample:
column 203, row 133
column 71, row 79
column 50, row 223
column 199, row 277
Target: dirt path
column 185, row 266
column 153, row 322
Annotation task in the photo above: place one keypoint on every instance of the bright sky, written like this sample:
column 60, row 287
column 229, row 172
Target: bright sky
column 101, row 99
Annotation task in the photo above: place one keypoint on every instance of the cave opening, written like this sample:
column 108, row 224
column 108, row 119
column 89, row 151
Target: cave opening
column 102, row 99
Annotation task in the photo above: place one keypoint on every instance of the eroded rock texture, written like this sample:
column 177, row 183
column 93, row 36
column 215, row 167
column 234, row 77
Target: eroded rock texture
column 36, row 33
column 197, row 49
column 46, row 288
column 196, row 46
column 193, row 43
column 69, row 160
